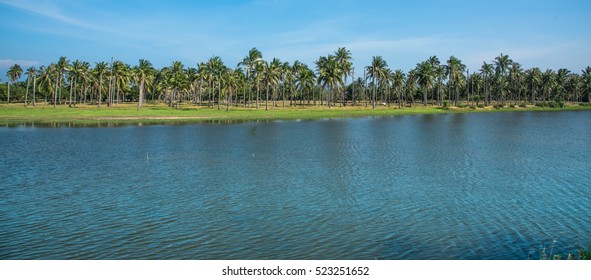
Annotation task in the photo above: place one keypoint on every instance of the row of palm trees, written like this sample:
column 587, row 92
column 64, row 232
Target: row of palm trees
column 212, row 83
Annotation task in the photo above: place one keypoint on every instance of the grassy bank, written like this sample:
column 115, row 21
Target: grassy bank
column 14, row 113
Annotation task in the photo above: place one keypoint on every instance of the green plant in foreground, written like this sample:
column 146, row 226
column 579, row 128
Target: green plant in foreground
column 548, row 253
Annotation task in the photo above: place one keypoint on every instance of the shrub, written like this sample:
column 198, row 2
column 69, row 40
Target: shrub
column 445, row 103
column 462, row 105
column 496, row 106
column 473, row 107
column 480, row 105
column 584, row 104
column 553, row 104
column 522, row 105
column 512, row 105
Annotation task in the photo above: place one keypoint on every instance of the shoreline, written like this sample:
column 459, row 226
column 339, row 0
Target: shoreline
column 161, row 113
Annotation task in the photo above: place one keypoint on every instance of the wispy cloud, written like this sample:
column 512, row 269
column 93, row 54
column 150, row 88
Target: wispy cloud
column 47, row 9
column 5, row 63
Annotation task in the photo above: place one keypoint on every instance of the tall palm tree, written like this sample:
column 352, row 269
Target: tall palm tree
column 502, row 64
column 31, row 72
column 562, row 76
column 533, row 77
column 305, row 80
column 271, row 76
column 60, row 69
column 486, row 71
column 587, row 82
column 143, row 74
column 455, row 72
column 344, row 58
column 329, row 75
column 100, row 69
column 216, row 69
column 516, row 75
column 14, row 73
column 249, row 62
column 178, row 78
column 425, row 76
column 548, row 82
column 45, row 79
column 398, row 82
column 74, row 72
column 376, row 71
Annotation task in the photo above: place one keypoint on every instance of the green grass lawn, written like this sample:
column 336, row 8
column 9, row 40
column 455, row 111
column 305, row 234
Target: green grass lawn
column 11, row 113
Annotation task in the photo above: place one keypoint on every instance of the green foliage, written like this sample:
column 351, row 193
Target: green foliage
column 522, row 105
column 445, row 103
column 581, row 253
column 473, row 107
column 542, row 104
column 480, row 105
column 512, row 105
column 584, row 104
column 497, row 106
column 462, row 105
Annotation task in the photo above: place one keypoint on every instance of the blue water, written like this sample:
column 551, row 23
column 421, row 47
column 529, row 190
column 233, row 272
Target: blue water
column 452, row 186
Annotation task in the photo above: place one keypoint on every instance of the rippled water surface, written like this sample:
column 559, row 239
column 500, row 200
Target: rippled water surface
column 457, row 186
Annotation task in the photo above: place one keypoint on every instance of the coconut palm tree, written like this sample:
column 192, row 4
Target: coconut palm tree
column 143, row 74
column 343, row 57
column 533, row 78
column 100, row 69
column 398, row 82
column 425, row 76
column 31, row 72
column 305, row 80
column 562, row 76
column 548, row 82
column 502, row 64
column 587, row 82
column 486, row 71
column 376, row 71
column 515, row 76
column 216, row 69
column 271, row 74
column 45, row 79
column 14, row 73
column 74, row 72
column 178, row 79
column 329, row 75
column 249, row 62
column 60, row 69
column 455, row 72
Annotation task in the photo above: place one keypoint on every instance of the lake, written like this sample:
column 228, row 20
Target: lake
column 450, row 186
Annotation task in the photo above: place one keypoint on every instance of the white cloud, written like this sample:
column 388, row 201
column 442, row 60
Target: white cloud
column 6, row 63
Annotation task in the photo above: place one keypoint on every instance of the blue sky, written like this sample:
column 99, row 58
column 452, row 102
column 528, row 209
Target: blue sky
column 546, row 34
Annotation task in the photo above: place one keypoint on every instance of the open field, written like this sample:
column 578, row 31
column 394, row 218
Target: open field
column 10, row 113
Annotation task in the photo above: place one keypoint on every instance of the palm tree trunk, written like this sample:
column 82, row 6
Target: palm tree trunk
column 219, row 93
column 141, row 97
column 267, row 99
column 34, row 96
column 373, row 98
column 27, row 92
column 8, row 83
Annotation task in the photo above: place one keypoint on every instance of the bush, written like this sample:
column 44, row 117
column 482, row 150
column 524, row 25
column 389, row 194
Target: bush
column 542, row 104
column 496, row 106
column 553, row 104
column 512, row 105
column 584, row 104
column 462, row 105
column 522, row 105
column 473, row 107
column 480, row 105
column 445, row 103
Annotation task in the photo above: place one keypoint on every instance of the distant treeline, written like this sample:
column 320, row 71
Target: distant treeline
column 258, row 82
